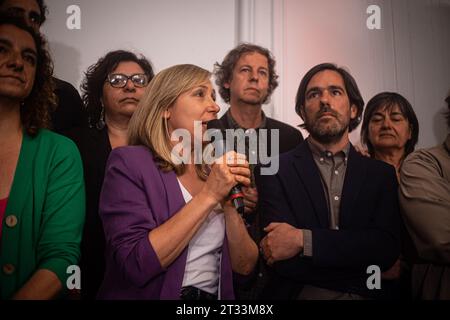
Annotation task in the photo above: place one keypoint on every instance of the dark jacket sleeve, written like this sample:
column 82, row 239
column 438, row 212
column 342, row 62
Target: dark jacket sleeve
column 336, row 252
column 377, row 243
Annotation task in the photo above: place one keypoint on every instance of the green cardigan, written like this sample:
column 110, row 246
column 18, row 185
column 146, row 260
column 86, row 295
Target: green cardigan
column 44, row 217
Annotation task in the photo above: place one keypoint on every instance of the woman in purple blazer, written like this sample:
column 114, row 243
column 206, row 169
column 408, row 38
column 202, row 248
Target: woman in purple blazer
column 170, row 231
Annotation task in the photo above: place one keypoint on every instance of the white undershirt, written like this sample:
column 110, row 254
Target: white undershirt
column 205, row 250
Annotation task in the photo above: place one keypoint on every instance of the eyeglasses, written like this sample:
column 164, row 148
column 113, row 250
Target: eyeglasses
column 118, row 80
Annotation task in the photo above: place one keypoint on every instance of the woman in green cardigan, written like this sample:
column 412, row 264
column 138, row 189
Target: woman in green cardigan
column 41, row 175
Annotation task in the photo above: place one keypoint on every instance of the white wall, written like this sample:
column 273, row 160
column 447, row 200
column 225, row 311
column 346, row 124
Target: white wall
column 167, row 32
column 410, row 54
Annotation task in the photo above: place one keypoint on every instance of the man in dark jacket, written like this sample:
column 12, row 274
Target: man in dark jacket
column 331, row 215
column 246, row 79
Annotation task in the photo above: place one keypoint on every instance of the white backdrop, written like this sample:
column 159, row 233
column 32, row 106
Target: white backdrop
column 409, row 54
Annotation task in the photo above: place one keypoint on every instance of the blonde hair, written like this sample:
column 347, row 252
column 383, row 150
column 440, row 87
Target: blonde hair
column 148, row 126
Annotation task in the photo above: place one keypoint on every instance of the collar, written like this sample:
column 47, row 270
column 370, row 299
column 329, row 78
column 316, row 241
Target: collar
column 320, row 152
column 234, row 125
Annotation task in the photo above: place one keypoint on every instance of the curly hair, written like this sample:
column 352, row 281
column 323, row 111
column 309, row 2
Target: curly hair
column 224, row 71
column 390, row 100
column 351, row 87
column 44, row 11
column 95, row 77
column 36, row 107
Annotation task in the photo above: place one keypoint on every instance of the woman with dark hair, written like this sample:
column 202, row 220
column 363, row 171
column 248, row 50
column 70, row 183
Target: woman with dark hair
column 41, row 183
column 390, row 131
column 390, row 128
column 69, row 111
column 112, row 89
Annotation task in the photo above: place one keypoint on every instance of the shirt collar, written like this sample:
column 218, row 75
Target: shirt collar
column 320, row 152
column 234, row 125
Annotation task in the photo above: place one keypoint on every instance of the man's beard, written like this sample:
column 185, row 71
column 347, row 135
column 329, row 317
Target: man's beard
column 326, row 132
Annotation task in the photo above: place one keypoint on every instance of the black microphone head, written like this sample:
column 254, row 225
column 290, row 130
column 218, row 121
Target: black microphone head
column 217, row 134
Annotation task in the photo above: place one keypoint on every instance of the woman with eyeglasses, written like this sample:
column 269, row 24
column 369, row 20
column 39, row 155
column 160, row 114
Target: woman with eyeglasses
column 112, row 89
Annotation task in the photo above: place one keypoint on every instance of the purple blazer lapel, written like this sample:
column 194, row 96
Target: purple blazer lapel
column 173, row 279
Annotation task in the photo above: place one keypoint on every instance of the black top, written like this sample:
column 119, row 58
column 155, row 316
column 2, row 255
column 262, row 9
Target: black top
column 70, row 112
column 289, row 136
column 250, row 288
column 94, row 147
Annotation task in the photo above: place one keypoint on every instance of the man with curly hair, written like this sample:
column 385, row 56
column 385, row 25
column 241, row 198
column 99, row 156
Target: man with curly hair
column 246, row 79
column 69, row 110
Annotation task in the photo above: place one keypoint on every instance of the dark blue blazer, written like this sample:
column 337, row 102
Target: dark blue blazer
column 369, row 224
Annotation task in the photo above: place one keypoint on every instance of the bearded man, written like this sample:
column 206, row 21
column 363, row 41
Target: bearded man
column 331, row 215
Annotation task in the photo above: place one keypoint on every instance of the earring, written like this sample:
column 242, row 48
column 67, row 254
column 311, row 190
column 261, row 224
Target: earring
column 101, row 122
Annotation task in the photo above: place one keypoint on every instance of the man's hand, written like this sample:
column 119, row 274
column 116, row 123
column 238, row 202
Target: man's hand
column 250, row 199
column 282, row 242
column 393, row 273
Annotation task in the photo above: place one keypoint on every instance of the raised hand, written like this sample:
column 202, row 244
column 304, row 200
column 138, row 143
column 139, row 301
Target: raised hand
column 250, row 199
column 226, row 172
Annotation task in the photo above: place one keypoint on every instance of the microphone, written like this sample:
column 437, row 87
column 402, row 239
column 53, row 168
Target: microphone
column 216, row 130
